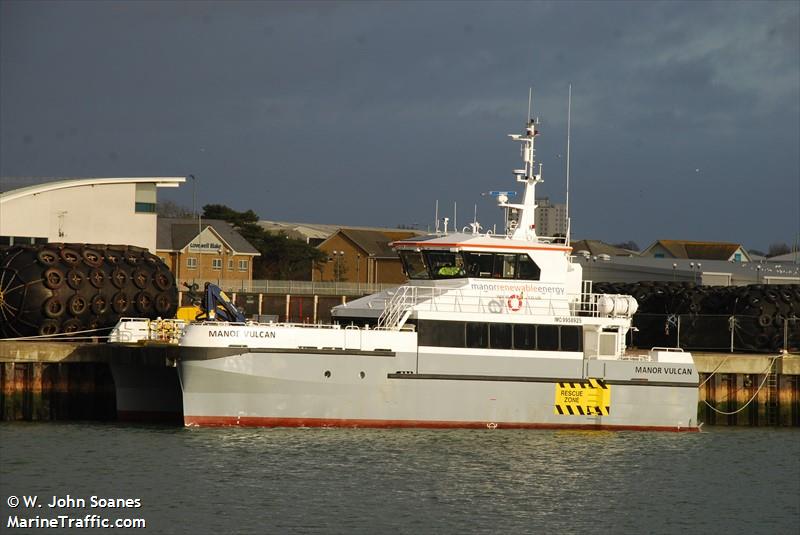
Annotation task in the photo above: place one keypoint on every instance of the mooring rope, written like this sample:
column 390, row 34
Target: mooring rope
column 743, row 407
column 715, row 371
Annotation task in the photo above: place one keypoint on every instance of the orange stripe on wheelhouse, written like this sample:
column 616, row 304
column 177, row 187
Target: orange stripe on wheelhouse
column 428, row 245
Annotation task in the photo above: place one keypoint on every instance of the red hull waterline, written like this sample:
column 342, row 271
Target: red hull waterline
column 256, row 421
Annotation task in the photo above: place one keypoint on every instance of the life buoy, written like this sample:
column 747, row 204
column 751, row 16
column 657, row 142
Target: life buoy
column 514, row 302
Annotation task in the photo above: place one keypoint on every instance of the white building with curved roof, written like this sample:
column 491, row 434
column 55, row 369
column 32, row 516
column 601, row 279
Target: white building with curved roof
column 91, row 210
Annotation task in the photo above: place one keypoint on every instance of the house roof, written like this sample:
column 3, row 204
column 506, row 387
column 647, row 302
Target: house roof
column 374, row 242
column 319, row 231
column 698, row 250
column 173, row 234
column 597, row 247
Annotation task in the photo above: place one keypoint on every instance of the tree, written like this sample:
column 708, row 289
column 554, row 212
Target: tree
column 776, row 249
column 281, row 257
column 172, row 209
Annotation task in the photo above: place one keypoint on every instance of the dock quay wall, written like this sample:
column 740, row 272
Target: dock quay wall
column 73, row 381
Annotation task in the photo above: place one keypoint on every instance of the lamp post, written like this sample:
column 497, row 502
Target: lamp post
column 674, row 267
column 358, row 271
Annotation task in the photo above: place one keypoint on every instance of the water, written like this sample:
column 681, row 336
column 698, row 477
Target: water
column 411, row 481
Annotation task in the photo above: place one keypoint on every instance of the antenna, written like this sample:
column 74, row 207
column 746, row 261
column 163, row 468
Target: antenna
column 569, row 123
column 530, row 102
column 436, row 217
column 455, row 216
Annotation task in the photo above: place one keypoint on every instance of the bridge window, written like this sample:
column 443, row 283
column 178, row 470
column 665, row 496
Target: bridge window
column 414, row 265
column 444, row 265
column 479, row 264
column 504, row 266
column 528, row 270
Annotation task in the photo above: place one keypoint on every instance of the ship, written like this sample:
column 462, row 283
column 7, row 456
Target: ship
column 492, row 330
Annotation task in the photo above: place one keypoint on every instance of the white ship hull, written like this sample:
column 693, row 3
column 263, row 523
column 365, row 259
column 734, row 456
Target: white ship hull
column 407, row 386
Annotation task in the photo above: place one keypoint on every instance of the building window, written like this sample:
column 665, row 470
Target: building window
column 145, row 208
column 191, row 262
column 230, row 264
column 242, row 265
column 216, row 264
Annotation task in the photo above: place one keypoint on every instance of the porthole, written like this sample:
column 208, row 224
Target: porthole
column 327, row 373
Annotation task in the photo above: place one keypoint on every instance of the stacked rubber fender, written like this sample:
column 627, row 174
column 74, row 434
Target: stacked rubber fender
column 65, row 288
column 760, row 312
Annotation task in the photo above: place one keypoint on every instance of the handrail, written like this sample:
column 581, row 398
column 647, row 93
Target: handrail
column 438, row 299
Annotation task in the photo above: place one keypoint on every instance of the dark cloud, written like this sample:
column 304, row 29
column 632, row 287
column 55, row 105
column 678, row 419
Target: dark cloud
column 366, row 113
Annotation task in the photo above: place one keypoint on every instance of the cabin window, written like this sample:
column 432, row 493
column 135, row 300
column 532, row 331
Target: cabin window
column 479, row 264
column 441, row 333
column 504, row 266
column 414, row 265
column 528, row 270
column 445, row 265
column 500, row 335
column 477, row 335
column 547, row 338
column 524, row 336
column 571, row 338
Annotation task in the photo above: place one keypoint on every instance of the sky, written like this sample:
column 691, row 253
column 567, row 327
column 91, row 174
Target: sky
column 685, row 115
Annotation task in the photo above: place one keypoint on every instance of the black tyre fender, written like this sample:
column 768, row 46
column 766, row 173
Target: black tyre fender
column 75, row 279
column 72, row 325
column 53, row 278
column 77, row 305
column 69, row 255
column 119, row 278
column 162, row 280
column 140, row 278
column 99, row 304
column 163, row 303
column 113, row 257
column 92, row 258
column 53, row 307
column 97, row 278
column 49, row 328
column 143, row 302
column 47, row 257
column 120, row 303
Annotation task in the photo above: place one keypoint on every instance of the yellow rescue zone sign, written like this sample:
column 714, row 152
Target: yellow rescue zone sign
column 583, row 398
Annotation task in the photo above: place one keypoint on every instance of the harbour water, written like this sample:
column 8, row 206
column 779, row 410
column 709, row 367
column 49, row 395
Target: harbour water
column 722, row 480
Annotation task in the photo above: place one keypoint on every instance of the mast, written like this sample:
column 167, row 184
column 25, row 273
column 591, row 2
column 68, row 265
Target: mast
column 530, row 175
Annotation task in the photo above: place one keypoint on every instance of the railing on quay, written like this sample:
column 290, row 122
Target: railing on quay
column 717, row 332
